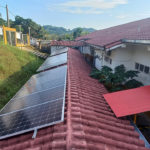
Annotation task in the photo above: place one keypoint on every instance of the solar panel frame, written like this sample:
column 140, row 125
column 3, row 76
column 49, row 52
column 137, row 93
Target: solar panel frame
column 41, row 126
column 33, row 128
column 47, row 64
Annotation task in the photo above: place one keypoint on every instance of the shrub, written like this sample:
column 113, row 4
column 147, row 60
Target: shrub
column 116, row 80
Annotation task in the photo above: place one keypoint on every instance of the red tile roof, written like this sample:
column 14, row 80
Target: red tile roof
column 138, row 30
column 89, row 122
column 66, row 43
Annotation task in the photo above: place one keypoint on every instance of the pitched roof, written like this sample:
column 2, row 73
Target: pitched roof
column 138, row 30
column 66, row 43
column 89, row 122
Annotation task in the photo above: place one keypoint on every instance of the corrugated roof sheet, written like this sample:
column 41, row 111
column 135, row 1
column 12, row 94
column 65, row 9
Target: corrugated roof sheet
column 138, row 30
column 89, row 122
column 129, row 102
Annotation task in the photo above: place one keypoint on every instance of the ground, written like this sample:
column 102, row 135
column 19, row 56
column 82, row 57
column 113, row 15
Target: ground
column 16, row 67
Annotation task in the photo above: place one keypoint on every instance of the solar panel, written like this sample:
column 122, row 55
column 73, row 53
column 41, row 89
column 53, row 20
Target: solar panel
column 30, row 118
column 53, row 62
column 59, row 51
column 27, row 90
column 44, row 81
column 34, row 99
column 39, row 103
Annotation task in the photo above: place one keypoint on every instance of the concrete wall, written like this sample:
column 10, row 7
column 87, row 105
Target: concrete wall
column 128, row 56
column 85, row 50
column 98, row 59
column 54, row 48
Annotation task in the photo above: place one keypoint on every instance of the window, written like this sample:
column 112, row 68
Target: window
column 137, row 66
column 110, row 61
column 108, row 53
column 146, row 69
column 107, row 59
column 141, row 67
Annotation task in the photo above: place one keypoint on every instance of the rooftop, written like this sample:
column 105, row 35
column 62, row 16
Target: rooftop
column 138, row 30
column 66, row 43
column 89, row 121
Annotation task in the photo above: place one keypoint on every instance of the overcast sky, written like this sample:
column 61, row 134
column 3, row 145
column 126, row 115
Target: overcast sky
column 97, row 14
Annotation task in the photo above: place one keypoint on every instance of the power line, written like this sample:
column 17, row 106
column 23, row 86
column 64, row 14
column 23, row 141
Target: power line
column 2, row 6
column 4, row 1
column 11, row 13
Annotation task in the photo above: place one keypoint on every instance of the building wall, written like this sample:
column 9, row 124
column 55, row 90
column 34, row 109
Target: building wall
column 85, row 50
column 128, row 56
column 54, row 48
column 98, row 59
column 142, row 56
column 122, row 56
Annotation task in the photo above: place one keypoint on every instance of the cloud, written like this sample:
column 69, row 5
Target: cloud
column 88, row 6
column 133, row 16
column 94, row 4
column 82, row 11
column 122, row 16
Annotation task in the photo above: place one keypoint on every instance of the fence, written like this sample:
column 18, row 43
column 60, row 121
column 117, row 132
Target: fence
column 10, row 36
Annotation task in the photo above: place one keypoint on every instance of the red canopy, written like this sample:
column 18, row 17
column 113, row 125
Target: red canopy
column 129, row 102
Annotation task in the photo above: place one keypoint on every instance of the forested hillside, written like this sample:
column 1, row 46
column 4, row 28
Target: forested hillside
column 45, row 32
column 60, row 30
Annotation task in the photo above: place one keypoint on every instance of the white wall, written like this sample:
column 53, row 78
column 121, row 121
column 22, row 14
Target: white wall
column 54, row 48
column 122, row 56
column 85, row 50
column 128, row 56
column 142, row 56
column 98, row 59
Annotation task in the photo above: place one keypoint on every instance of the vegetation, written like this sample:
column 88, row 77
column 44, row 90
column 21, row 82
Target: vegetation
column 61, row 31
column 64, row 34
column 116, row 80
column 47, row 32
column 16, row 67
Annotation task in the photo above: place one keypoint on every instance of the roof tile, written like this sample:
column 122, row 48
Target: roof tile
column 137, row 30
column 89, row 122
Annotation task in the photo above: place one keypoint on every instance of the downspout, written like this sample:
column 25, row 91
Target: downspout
column 103, row 54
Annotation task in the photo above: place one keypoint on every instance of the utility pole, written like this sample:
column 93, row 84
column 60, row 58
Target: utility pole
column 19, row 28
column 29, row 31
column 8, row 24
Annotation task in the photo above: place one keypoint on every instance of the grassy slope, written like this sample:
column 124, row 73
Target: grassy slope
column 16, row 67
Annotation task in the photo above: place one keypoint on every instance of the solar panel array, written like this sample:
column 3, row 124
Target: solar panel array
column 53, row 61
column 39, row 103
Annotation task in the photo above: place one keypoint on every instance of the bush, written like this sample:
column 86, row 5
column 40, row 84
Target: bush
column 116, row 80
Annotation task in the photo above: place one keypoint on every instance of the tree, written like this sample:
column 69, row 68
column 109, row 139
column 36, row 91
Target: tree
column 37, row 31
column 77, row 33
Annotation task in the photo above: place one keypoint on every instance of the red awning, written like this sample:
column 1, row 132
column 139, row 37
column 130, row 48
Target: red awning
column 129, row 102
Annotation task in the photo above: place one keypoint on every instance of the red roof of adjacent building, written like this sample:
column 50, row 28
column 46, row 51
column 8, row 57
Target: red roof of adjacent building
column 66, row 43
column 129, row 102
column 89, row 122
column 138, row 30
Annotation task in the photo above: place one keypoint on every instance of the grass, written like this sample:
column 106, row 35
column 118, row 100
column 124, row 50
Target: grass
column 16, row 67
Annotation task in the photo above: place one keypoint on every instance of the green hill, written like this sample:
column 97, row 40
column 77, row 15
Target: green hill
column 60, row 30
column 16, row 67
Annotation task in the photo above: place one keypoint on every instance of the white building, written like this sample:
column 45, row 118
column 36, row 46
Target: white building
column 127, row 44
column 58, row 45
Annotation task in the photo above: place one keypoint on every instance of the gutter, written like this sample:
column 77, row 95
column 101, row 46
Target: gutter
column 136, row 41
column 95, row 46
column 141, row 136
